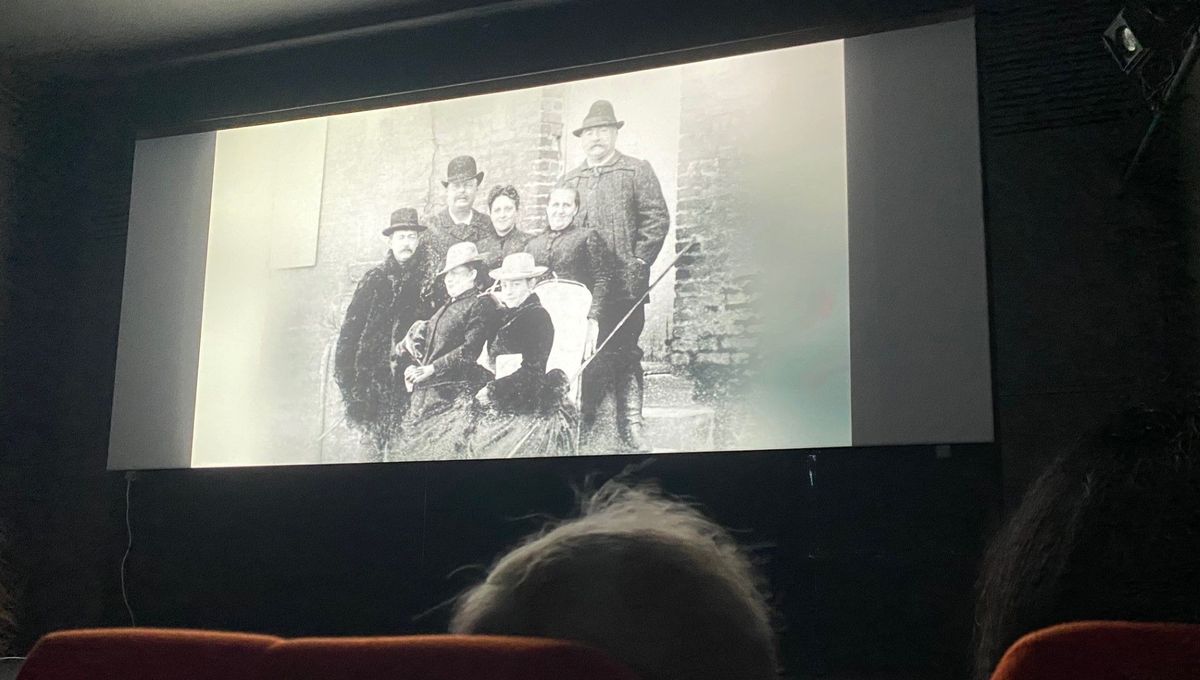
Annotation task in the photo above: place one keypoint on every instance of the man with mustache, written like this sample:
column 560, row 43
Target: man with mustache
column 388, row 300
column 459, row 221
column 621, row 198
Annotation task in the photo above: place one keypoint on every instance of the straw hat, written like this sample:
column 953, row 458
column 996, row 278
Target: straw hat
column 517, row 266
column 460, row 254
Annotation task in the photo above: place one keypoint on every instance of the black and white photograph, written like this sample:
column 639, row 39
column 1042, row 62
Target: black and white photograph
column 654, row 261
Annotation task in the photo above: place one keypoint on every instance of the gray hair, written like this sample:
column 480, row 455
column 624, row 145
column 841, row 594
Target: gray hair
column 646, row 578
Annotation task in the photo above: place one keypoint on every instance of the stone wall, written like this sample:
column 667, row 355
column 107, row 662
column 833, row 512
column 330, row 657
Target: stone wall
column 713, row 307
column 761, row 313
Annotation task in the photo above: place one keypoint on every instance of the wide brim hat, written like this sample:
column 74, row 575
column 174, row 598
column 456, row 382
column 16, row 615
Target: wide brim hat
column 518, row 266
column 461, row 254
column 462, row 168
column 601, row 114
column 404, row 219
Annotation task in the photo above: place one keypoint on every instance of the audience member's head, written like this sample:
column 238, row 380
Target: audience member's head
column 1110, row 531
column 648, row 579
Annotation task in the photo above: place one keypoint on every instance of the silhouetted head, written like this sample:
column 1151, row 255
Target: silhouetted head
column 647, row 579
column 1110, row 530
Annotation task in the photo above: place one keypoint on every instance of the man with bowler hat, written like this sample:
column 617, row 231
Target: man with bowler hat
column 621, row 198
column 459, row 221
column 388, row 300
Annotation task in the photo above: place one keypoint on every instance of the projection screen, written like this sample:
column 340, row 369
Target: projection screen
column 781, row 249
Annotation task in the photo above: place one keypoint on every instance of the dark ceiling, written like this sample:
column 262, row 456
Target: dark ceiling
column 74, row 35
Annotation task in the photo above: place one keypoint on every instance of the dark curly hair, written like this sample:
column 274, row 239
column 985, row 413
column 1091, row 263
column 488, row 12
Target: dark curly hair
column 1109, row 531
column 503, row 190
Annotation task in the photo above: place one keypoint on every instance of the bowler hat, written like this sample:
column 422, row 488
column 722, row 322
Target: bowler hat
column 517, row 266
column 601, row 113
column 461, row 168
column 459, row 254
column 404, row 219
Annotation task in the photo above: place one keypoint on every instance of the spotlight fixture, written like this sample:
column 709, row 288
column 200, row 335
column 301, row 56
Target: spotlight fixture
column 1157, row 42
column 1125, row 41
column 1150, row 35
column 1129, row 41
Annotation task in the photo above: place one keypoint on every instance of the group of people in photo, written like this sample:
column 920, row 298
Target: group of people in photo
column 444, row 349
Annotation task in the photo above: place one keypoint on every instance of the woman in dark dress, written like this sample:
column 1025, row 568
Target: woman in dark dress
column 524, row 411
column 572, row 252
column 506, row 237
column 445, row 374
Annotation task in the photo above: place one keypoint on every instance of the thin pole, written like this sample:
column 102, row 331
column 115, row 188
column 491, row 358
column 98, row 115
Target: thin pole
column 633, row 308
column 1185, row 67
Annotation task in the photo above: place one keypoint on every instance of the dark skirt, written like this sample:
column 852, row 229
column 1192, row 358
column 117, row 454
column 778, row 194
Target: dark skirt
column 548, row 427
column 437, row 425
column 445, row 423
column 498, row 434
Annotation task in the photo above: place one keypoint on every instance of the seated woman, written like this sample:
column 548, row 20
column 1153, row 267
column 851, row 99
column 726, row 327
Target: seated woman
column 444, row 374
column 524, row 411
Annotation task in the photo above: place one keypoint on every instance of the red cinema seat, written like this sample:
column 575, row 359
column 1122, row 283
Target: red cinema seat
column 145, row 654
column 439, row 657
column 1105, row 650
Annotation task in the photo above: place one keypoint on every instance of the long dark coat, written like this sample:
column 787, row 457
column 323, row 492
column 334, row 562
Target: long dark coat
column 528, row 331
column 623, row 201
column 388, row 300
column 443, row 232
column 579, row 255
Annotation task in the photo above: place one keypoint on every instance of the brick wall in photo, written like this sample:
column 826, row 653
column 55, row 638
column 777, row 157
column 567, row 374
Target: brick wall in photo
column 711, row 337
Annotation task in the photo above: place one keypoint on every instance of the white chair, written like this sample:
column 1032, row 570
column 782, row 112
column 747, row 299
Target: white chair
column 568, row 303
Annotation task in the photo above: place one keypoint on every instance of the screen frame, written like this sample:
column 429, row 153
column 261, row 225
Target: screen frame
column 551, row 76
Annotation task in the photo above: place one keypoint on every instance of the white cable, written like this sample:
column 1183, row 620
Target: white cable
column 128, row 547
